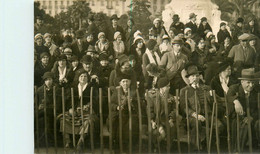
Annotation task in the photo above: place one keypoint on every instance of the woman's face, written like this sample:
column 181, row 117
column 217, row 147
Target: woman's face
column 48, row 39
column 119, row 38
column 171, row 34
column 201, row 44
column 104, row 62
column 39, row 41
column 129, row 23
column 83, row 78
column 48, row 82
column 157, row 24
column 223, row 27
column 140, row 44
column 165, row 41
column 75, row 63
column 227, row 71
column 252, row 42
column 125, row 83
column 90, row 38
column 251, row 23
column 102, row 39
column 62, row 63
column 45, row 60
column 227, row 40
column 204, row 23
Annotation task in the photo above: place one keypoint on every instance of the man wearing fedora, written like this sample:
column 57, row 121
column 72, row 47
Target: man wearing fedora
column 192, row 23
column 237, row 97
column 114, row 27
column 173, row 62
column 242, row 54
column 176, row 24
column 79, row 46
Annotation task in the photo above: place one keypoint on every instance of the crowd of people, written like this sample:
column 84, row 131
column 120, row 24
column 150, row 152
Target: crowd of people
column 186, row 57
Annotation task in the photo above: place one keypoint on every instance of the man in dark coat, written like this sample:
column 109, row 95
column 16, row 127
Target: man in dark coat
column 176, row 24
column 192, row 23
column 79, row 46
column 242, row 101
column 222, row 33
column 114, row 28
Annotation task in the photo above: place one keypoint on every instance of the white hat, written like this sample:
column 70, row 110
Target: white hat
column 209, row 34
column 101, row 34
column 116, row 34
column 137, row 33
column 156, row 19
column 165, row 37
column 186, row 30
column 137, row 38
column 67, row 51
column 244, row 36
column 39, row 35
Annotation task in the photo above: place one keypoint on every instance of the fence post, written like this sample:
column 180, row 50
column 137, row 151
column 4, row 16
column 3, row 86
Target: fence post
column 197, row 122
column 82, row 118
column 73, row 118
column 167, row 123
column 37, row 118
column 140, row 120
column 228, row 125
column 216, row 123
column 110, row 122
column 45, row 120
column 91, row 124
column 211, row 125
column 130, row 121
column 55, row 119
column 149, row 124
column 207, row 120
column 177, row 120
column 63, row 115
column 187, row 117
column 120, row 121
column 238, row 134
column 258, row 113
column 157, row 104
column 249, row 124
column 101, row 120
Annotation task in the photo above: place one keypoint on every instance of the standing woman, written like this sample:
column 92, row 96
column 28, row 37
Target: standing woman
column 118, row 45
column 129, row 33
column 62, row 72
column 138, row 49
column 204, row 27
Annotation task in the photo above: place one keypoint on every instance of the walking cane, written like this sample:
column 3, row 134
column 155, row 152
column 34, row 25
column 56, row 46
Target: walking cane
column 228, row 125
column 187, row 117
column 110, row 122
column 130, row 121
column 140, row 121
column 149, row 124
column 177, row 120
column 91, row 124
column 73, row 118
column 120, row 121
column 238, row 134
column 55, row 118
column 211, row 125
column 45, row 120
column 167, row 123
column 157, row 119
column 37, row 118
column 101, row 120
column 207, row 120
column 63, row 115
column 216, row 123
column 197, row 122
column 249, row 124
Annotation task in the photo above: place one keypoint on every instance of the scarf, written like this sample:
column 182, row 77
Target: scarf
column 153, row 58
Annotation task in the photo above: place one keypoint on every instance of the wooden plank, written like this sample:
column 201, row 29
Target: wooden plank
column 216, row 121
column 130, row 121
column 187, row 117
column 249, row 125
column 207, row 119
column 36, row 107
column 55, row 119
column 45, row 120
column 168, row 132
column 149, row 125
column 177, row 121
column 82, row 118
column 91, row 124
column 63, row 115
column 228, row 126
column 140, row 120
column 101, row 121
column 110, row 122
column 120, row 121
column 197, row 122
column 211, row 125
column 73, row 118
column 157, row 104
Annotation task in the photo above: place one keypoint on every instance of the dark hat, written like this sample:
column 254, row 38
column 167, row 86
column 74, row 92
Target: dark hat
column 47, row 75
column 103, row 56
column 122, row 59
column 44, row 54
column 114, row 16
column 240, row 20
column 79, row 34
column 62, row 57
column 224, row 65
column 203, row 19
column 249, row 74
column 74, row 58
column 162, row 82
column 91, row 17
column 86, row 59
column 175, row 17
column 222, row 24
column 192, row 69
column 192, row 15
column 121, row 76
column 152, row 68
column 151, row 43
column 177, row 40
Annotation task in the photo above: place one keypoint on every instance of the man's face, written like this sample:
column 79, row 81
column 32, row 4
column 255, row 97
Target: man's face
column 239, row 24
column 125, row 83
column 87, row 67
column 38, row 21
column 176, row 48
column 90, row 38
column 201, row 44
column 114, row 21
column 251, row 23
column 227, row 40
column 45, row 60
column 194, row 19
column 62, row 63
column 243, row 42
column 194, row 78
column 104, row 63
column 204, row 23
column 247, row 85
column 171, row 34
column 157, row 24
column 68, row 56
column 75, row 63
column 48, row 82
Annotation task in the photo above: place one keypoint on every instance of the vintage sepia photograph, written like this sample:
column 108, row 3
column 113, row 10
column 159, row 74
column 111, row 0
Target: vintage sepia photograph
column 146, row 76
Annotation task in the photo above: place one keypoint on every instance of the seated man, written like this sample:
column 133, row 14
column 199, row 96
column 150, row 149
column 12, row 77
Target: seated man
column 237, row 97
